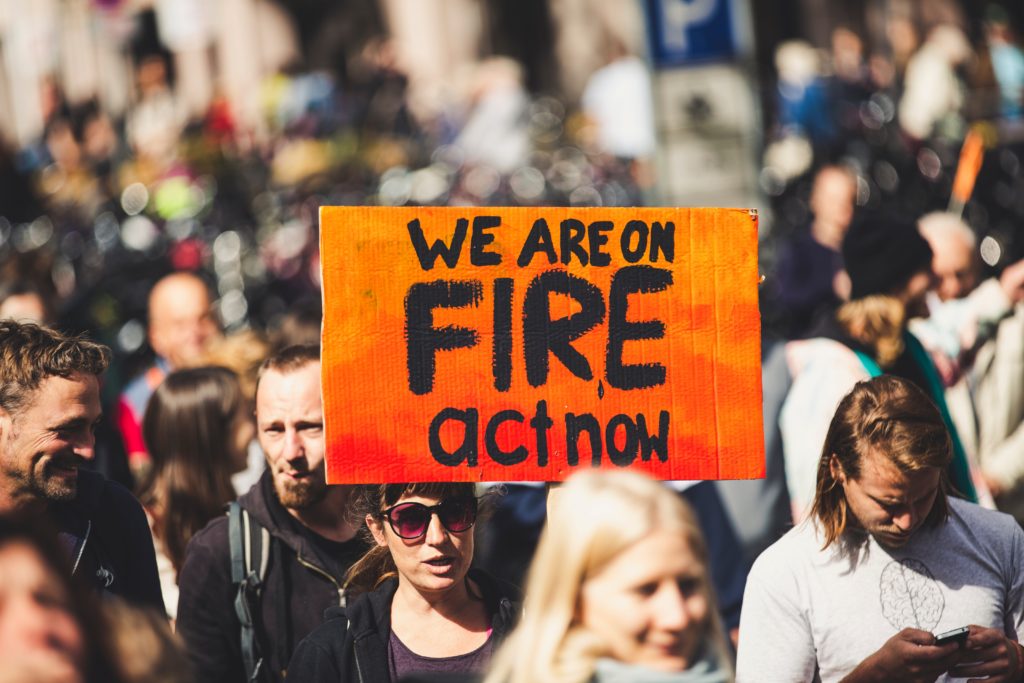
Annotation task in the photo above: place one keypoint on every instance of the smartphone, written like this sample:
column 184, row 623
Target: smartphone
column 957, row 635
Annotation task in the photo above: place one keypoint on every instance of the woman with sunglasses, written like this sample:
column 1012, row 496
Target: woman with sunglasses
column 419, row 608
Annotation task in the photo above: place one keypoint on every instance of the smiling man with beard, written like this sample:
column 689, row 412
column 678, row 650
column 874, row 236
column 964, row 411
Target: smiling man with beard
column 312, row 541
column 886, row 560
column 49, row 410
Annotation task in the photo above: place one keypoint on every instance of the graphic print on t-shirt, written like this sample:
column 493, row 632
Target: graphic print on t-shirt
column 910, row 596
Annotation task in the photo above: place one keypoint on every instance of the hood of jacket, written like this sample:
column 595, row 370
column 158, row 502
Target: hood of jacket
column 75, row 517
column 105, row 532
column 261, row 502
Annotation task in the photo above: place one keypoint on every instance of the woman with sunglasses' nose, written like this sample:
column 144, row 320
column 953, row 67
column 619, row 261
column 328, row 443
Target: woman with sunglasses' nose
column 420, row 610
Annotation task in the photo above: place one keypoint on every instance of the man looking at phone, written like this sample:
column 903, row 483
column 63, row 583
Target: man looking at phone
column 886, row 559
column 312, row 543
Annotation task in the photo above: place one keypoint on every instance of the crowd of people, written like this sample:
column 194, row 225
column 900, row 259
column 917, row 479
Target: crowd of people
column 166, row 517
column 300, row 580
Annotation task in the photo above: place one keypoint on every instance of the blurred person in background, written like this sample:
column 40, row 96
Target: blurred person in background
column 34, row 155
column 68, row 185
column 301, row 325
column 102, row 151
column 49, row 409
column 243, row 352
column 181, row 324
column 889, row 264
column 420, row 609
column 508, row 535
column 809, row 276
column 932, row 92
column 52, row 629
column 23, row 301
column 619, row 590
column 623, row 132
column 17, row 194
column 145, row 648
column 1007, row 62
column 197, row 426
column 495, row 132
column 850, row 84
column 302, row 525
column 986, row 392
column 155, row 124
column 804, row 106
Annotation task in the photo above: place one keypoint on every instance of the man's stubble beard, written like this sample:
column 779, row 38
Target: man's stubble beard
column 42, row 486
column 300, row 495
column 39, row 482
column 53, row 488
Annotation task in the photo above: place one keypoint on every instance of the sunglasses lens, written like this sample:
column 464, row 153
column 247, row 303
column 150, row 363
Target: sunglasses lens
column 458, row 514
column 409, row 520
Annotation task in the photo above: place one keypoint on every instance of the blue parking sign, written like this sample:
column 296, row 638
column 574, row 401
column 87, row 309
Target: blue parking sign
column 687, row 31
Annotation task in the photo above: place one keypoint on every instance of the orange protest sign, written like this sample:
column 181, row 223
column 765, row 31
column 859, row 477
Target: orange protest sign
column 521, row 344
column 972, row 154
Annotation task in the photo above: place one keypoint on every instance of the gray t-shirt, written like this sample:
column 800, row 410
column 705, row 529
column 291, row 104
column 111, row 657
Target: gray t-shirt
column 813, row 615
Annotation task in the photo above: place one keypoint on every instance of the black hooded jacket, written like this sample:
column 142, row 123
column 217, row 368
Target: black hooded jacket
column 106, row 532
column 303, row 578
column 352, row 644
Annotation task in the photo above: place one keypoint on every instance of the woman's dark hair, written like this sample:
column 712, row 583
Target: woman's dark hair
column 83, row 606
column 377, row 565
column 889, row 415
column 189, row 431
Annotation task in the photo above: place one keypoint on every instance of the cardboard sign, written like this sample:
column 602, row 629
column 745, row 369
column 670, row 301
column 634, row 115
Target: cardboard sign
column 521, row 344
column 972, row 154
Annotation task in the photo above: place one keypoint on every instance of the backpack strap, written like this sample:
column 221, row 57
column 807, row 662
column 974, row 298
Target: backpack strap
column 250, row 551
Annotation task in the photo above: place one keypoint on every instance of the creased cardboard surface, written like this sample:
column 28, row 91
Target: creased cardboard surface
column 657, row 350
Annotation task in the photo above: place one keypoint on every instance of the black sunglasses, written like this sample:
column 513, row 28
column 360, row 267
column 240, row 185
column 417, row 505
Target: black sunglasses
column 411, row 520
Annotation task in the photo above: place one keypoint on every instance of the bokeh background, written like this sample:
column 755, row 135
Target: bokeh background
column 141, row 136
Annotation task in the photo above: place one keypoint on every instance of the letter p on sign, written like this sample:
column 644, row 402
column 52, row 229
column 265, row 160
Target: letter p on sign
column 680, row 15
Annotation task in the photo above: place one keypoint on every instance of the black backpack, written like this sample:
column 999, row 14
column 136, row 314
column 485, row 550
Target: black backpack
column 250, row 550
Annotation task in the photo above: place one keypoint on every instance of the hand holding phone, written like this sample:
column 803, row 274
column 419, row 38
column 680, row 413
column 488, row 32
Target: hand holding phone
column 957, row 635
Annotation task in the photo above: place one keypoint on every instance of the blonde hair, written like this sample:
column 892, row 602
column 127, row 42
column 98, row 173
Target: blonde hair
column 596, row 516
column 875, row 321
column 242, row 352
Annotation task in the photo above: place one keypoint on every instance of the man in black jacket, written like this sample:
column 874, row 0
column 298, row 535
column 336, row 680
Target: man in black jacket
column 49, row 409
column 312, row 541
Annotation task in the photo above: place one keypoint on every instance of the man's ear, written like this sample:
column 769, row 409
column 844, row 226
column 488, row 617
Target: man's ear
column 376, row 527
column 6, row 421
column 836, row 468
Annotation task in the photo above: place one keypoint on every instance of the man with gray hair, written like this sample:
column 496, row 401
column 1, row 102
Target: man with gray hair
column 49, row 410
column 986, row 394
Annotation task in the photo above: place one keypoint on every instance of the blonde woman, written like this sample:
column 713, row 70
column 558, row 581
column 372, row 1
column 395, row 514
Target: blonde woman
column 618, row 591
